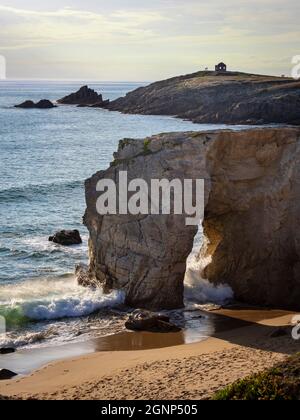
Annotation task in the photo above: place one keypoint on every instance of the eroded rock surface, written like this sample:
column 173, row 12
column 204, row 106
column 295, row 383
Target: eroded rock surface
column 252, row 212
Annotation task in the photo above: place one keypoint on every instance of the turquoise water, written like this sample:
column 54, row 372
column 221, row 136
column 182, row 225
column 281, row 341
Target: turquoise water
column 45, row 156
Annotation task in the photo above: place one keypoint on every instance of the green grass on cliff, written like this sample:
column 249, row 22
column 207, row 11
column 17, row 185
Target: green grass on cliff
column 279, row 383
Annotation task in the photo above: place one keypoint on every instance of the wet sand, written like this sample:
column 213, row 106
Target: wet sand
column 160, row 366
column 25, row 361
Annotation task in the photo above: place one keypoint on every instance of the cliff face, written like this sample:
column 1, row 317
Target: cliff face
column 226, row 98
column 252, row 214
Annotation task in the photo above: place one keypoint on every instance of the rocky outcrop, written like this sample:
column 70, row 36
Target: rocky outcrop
column 252, row 214
column 84, row 97
column 66, row 238
column 43, row 104
column 221, row 98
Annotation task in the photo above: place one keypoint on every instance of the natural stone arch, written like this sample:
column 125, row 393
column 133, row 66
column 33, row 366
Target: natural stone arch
column 251, row 218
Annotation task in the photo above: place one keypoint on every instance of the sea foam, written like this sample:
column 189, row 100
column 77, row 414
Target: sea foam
column 48, row 299
column 197, row 289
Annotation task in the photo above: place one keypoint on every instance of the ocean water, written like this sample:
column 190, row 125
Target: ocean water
column 45, row 156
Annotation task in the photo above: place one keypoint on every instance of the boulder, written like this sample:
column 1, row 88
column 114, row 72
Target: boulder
column 66, row 237
column 7, row 350
column 83, row 97
column 142, row 320
column 6, row 374
column 43, row 104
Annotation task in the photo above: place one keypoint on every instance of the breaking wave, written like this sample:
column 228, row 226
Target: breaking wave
column 197, row 289
column 49, row 299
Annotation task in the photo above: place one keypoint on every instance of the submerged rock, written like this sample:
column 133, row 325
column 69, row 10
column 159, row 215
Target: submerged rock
column 6, row 374
column 66, row 237
column 141, row 320
column 43, row 104
column 252, row 209
column 84, row 97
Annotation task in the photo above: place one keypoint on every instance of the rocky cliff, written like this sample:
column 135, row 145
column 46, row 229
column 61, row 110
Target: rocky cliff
column 222, row 98
column 252, row 215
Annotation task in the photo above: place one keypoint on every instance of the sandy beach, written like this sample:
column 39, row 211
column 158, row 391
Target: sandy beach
column 190, row 371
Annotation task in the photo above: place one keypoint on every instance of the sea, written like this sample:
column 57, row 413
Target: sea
column 45, row 157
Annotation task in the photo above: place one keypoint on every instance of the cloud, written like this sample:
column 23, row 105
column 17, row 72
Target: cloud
column 36, row 28
column 170, row 36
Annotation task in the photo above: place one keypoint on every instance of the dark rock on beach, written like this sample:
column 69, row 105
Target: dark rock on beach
column 7, row 350
column 218, row 98
column 84, row 97
column 43, row 104
column 66, row 237
column 142, row 320
column 6, row 374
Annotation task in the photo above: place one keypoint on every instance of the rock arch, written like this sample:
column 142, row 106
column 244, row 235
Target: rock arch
column 252, row 191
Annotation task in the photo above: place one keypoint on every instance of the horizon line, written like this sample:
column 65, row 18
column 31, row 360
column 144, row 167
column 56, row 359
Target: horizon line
column 17, row 79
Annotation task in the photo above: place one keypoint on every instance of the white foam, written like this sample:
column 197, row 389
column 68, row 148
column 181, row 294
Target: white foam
column 46, row 299
column 197, row 289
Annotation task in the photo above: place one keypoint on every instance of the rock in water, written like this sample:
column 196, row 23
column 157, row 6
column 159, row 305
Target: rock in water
column 84, row 97
column 43, row 104
column 7, row 350
column 141, row 320
column 6, row 374
column 66, row 237
column 252, row 209
column 102, row 104
column 26, row 105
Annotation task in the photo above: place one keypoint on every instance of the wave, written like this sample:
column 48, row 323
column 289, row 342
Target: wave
column 200, row 290
column 31, row 191
column 197, row 289
column 51, row 299
column 28, row 338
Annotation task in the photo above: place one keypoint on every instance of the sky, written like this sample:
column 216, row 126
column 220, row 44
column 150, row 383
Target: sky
column 137, row 40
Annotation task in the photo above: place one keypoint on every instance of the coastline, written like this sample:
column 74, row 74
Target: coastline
column 189, row 371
